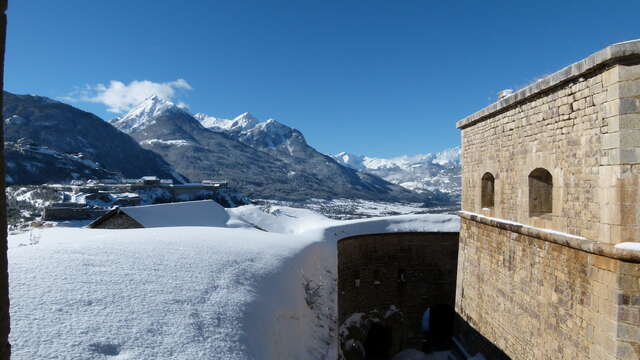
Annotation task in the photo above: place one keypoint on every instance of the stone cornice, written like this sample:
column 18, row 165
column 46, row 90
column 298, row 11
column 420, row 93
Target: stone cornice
column 609, row 55
column 400, row 233
column 572, row 241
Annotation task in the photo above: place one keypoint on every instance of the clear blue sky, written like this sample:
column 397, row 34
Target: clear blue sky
column 380, row 78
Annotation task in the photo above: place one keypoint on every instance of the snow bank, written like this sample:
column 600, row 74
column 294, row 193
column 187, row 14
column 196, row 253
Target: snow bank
column 263, row 287
column 279, row 219
column 391, row 224
column 629, row 246
column 172, row 293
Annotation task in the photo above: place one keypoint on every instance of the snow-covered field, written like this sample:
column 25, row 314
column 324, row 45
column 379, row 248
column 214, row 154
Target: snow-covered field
column 263, row 286
column 347, row 209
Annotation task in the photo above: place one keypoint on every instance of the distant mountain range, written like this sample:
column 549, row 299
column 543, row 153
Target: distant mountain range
column 262, row 159
column 421, row 173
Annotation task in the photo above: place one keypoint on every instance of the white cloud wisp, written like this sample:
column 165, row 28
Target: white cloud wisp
column 120, row 97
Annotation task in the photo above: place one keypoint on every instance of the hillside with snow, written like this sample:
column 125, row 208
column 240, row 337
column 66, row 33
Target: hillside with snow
column 261, row 286
column 425, row 172
column 33, row 164
column 42, row 123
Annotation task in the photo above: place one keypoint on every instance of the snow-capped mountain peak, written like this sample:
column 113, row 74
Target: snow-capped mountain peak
column 143, row 114
column 246, row 118
column 212, row 122
column 242, row 122
column 351, row 160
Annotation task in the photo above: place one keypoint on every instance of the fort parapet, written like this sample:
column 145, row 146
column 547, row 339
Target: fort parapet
column 550, row 186
column 397, row 274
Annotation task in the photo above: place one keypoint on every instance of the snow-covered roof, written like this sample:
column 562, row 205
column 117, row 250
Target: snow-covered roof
column 188, row 213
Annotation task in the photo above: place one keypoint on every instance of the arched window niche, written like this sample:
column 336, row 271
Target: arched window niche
column 540, row 192
column 487, row 193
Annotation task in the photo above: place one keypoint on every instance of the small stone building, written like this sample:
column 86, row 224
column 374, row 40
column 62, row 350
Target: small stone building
column 550, row 190
column 187, row 213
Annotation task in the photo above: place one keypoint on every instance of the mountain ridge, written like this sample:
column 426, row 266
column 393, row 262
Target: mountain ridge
column 291, row 169
column 44, row 122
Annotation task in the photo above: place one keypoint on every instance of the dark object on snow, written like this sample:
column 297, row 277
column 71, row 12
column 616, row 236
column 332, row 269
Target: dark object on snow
column 5, row 347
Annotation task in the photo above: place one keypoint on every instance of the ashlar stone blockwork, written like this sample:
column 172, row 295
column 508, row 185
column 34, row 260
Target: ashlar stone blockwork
column 534, row 292
column 408, row 272
column 539, row 300
column 586, row 132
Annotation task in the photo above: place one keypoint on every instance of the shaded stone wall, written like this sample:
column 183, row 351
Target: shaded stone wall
column 409, row 270
column 536, row 299
column 584, row 129
column 68, row 213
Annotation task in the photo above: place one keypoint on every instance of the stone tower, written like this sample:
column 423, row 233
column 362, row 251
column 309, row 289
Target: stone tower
column 550, row 180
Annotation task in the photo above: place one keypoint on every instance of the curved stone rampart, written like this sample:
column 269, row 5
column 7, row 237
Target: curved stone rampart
column 408, row 272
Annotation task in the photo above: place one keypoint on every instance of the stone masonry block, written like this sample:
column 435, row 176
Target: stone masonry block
column 628, row 332
column 628, row 72
column 629, row 88
column 620, row 122
column 630, row 138
column 578, row 105
column 565, row 109
column 605, row 263
column 620, row 107
column 611, row 140
column 624, row 156
column 626, row 351
column 611, row 76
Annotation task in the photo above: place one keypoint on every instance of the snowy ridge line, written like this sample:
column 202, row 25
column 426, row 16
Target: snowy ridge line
column 393, row 224
column 623, row 252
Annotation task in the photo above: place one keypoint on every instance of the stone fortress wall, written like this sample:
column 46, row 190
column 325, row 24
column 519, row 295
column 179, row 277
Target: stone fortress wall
column 410, row 271
column 538, row 274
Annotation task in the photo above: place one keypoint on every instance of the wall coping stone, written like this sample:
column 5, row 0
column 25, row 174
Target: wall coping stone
column 403, row 233
column 556, row 237
column 604, row 57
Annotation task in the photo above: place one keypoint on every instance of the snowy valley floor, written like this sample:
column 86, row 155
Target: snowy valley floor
column 348, row 209
column 233, row 292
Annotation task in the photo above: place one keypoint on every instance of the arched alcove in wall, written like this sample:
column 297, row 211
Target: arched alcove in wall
column 540, row 192
column 487, row 190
